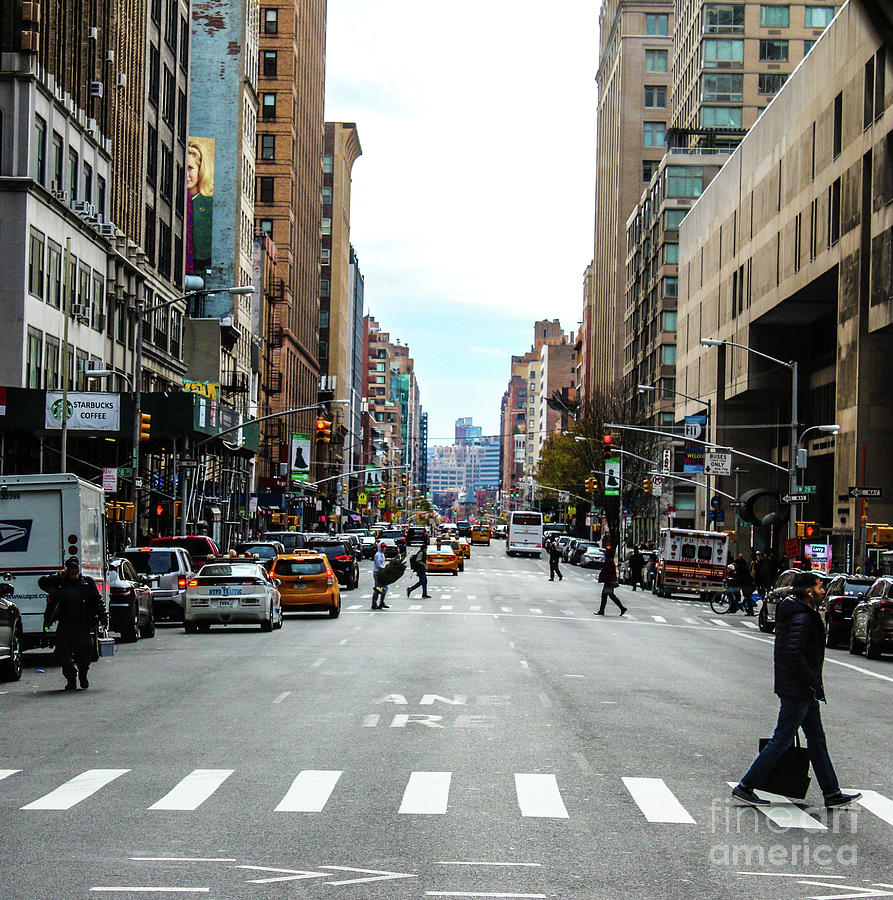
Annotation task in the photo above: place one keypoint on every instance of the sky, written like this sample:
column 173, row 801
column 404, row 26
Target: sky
column 472, row 203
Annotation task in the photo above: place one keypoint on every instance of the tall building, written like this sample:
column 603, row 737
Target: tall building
column 788, row 252
column 634, row 81
column 290, row 162
column 466, row 431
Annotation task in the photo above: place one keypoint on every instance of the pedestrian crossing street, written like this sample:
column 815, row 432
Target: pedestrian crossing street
column 535, row 795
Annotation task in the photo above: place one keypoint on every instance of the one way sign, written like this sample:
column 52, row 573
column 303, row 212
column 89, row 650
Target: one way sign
column 795, row 498
column 866, row 492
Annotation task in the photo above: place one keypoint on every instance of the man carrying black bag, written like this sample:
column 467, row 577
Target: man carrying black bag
column 799, row 656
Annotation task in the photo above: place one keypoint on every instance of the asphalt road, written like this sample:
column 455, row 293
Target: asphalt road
column 497, row 740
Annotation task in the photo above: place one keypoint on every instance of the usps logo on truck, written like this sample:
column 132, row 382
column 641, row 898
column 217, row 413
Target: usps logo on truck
column 14, row 535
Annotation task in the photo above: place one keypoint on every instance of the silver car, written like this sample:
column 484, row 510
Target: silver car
column 232, row 593
column 167, row 571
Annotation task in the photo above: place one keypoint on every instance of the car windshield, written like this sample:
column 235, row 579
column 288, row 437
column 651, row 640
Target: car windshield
column 299, row 567
column 391, row 534
column 289, row 539
column 220, row 570
column 331, row 550
column 264, row 551
column 153, row 562
column 856, row 587
column 193, row 546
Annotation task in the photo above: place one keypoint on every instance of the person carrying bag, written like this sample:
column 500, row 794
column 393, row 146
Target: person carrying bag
column 608, row 579
column 419, row 564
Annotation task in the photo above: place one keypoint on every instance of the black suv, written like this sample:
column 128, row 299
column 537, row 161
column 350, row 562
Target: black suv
column 416, row 534
column 396, row 535
column 341, row 557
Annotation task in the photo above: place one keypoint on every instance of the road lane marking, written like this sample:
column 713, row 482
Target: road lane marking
column 878, row 804
column 657, row 801
column 77, row 789
column 194, row 789
column 482, row 894
column 660, row 619
column 505, row 608
column 355, row 606
column 5, row 773
column 751, row 625
column 720, row 622
column 282, row 696
column 539, row 797
column 426, row 793
column 150, row 890
column 181, row 858
column 475, row 608
column 567, row 612
column 371, row 720
column 415, row 606
column 524, row 664
column 784, row 813
column 317, row 663
column 446, row 608
column 342, row 642
column 310, row 791
column 536, row 610
column 691, row 621
column 468, row 862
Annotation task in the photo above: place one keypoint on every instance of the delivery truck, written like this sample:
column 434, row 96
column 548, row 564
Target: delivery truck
column 44, row 519
column 691, row 561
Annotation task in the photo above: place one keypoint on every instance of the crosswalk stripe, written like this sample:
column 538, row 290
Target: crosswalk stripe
column 657, row 801
column 475, row 608
column 446, row 607
column 194, row 789
column 310, row 791
column 355, row 606
column 505, row 609
column 539, row 797
column 416, row 606
column 77, row 789
column 660, row 619
column 720, row 622
column 567, row 612
column 878, row 804
column 691, row 621
column 472, row 596
column 786, row 814
column 752, row 625
column 426, row 793
column 5, row 773
column 536, row 610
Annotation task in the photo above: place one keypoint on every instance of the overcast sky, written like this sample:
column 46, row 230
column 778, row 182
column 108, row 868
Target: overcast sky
column 472, row 204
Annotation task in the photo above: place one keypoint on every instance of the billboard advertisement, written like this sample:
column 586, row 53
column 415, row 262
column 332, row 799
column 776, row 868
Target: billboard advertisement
column 300, row 457
column 695, row 428
column 199, row 204
column 88, row 411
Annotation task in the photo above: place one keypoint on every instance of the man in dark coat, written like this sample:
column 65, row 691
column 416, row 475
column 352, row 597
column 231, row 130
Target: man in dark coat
column 636, row 567
column 554, row 559
column 799, row 656
column 419, row 564
column 75, row 603
column 608, row 579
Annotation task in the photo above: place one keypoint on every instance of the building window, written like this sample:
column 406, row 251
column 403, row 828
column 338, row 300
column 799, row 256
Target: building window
column 154, row 74
column 775, row 16
column 182, row 112
column 328, row 165
column 180, row 190
column 834, row 213
column 266, row 226
column 721, row 117
column 718, row 51
column 818, row 16
column 325, row 256
column 39, row 167
column 151, row 154
column 97, row 307
column 150, row 234
column 164, row 249
column 671, row 288
column 184, row 44
column 727, row 87
column 326, row 195
column 167, row 173
column 266, row 189
column 168, row 110
column 773, row 51
column 271, row 21
column 323, row 350
column 88, row 182
column 668, row 319
column 655, row 134
column 668, row 355
column 54, row 275
column 51, row 364
column 649, row 167
column 655, row 60
column 655, row 96
column 323, row 318
column 270, row 63
column 673, row 218
column 326, row 225
column 723, row 18
column 671, row 254
column 268, row 106
column 73, row 171
column 58, row 156
column 33, row 359
column 771, row 82
column 176, row 330
column 838, row 126
column 268, row 147
column 35, row 264
column 657, row 23
column 807, row 46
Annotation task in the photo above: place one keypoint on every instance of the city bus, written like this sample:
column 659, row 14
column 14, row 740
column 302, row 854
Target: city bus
column 525, row 533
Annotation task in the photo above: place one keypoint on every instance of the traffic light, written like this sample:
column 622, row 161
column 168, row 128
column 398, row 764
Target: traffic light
column 806, row 530
column 647, row 486
column 145, row 427
column 607, row 440
column 404, row 479
column 591, row 485
column 323, row 431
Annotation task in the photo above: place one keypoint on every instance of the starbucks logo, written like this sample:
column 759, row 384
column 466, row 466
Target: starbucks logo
column 56, row 410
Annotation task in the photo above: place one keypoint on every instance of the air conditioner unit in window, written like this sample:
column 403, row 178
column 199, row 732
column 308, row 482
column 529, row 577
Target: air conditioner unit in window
column 107, row 229
column 93, row 33
column 60, row 195
column 92, row 127
column 122, row 80
column 96, row 88
column 83, row 208
column 78, row 311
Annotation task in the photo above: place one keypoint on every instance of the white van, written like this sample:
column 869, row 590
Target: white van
column 44, row 519
column 525, row 533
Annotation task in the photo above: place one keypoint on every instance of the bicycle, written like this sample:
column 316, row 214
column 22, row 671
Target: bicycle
column 721, row 603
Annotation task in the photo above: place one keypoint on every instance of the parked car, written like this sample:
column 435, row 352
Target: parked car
column 593, row 557
column 200, row 547
column 782, row 588
column 341, row 557
column 231, row 593
column 872, row 630
column 307, row 583
column 264, row 551
column 130, row 601
column 843, row 593
column 416, row 534
column 11, row 635
column 167, row 572
column 291, row 540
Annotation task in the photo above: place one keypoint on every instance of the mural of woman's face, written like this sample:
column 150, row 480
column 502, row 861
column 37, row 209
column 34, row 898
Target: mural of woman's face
column 192, row 173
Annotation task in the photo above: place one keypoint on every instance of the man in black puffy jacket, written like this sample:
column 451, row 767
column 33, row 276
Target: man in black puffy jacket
column 799, row 656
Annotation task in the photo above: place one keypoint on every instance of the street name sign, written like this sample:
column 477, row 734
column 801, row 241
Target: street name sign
column 795, row 498
column 805, row 488
column 866, row 492
column 666, row 461
column 717, row 463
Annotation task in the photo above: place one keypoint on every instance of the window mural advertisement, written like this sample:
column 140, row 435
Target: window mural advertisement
column 199, row 204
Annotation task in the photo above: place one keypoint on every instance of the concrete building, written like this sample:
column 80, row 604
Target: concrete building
column 634, row 81
column 788, row 252
column 466, row 431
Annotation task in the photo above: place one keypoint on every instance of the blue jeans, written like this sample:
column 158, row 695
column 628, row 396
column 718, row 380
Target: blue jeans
column 422, row 583
column 795, row 713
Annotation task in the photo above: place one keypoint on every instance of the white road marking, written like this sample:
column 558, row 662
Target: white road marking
column 481, row 894
column 567, row 612
column 77, row 789
column 376, row 874
column 539, row 797
column 660, row 619
column 150, row 890
column 415, row 606
column 182, row 858
column 371, row 721
column 525, row 664
column 283, row 874
column 5, row 773
column 505, row 608
column 310, row 791
column 446, row 607
column 317, row 663
column 784, row 813
column 342, row 642
column 878, row 804
column 426, row 793
column 720, row 622
column 194, row 789
column 691, row 621
column 282, row 696
column 355, row 606
column 536, row 610
column 463, row 862
column 657, row 801
column 751, row 625
column 475, row 608
column 472, row 596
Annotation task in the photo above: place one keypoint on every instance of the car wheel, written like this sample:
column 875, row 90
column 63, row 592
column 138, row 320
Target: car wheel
column 830, row 640
column 148, row 630
column 456, row 573
column 335, row 611
column 131, row 632
column 11, row 669
column 190, row 627
column 855, row 643
column 763, row 622
column 267, row 624
column 871, row 651
column 204, row 627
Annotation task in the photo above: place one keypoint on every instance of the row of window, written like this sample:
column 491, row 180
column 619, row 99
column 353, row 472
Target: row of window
column 724, row 51
column 170, row 29
column 47, row 278
column 729, row 18
column 66, row 171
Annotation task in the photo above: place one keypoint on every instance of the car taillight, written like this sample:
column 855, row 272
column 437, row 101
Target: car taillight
column 254, row 581
column 193, row 582
column 342, row 559
column 837, row 603
column 885, row 605
column 330, row 578
column 181, row 582
column 120, row 590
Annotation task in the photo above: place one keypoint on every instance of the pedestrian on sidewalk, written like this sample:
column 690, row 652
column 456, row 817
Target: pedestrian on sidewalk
column 76, row 604
column 799, row 657
column 636, row 568
column 554, row 559
column 419, row 564
column 379, row 591
column 608, row 579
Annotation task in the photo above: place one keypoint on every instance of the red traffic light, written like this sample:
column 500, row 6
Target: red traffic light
column 607, row 439
column 321, row 424
column 159, row 510
column 810, row 531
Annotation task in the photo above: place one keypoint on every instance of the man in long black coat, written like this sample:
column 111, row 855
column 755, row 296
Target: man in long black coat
column 74, row 602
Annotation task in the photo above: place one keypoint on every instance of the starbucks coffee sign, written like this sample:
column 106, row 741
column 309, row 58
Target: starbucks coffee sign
column 84, row 411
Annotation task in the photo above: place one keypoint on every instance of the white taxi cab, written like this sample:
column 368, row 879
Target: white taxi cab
column 232, row 593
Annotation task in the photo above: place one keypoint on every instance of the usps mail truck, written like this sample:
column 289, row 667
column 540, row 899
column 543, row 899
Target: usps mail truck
column 44, row 519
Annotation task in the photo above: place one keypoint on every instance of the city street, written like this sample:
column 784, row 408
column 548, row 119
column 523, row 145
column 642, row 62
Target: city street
column 497, row 740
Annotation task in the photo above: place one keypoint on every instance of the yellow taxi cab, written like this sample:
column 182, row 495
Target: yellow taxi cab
column 442, row 560
column 307, row 583
column 480, row 534
column 465, row 546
